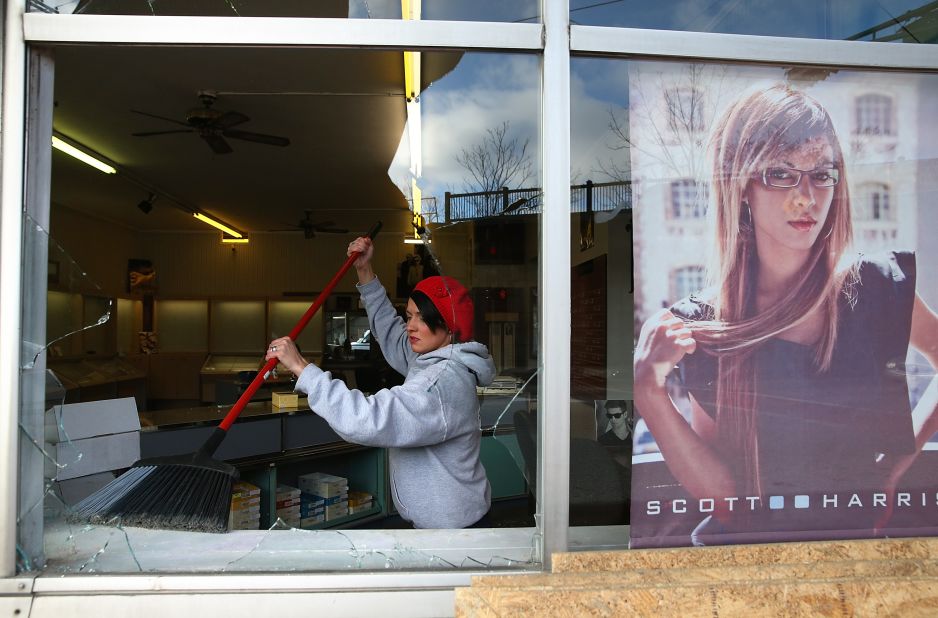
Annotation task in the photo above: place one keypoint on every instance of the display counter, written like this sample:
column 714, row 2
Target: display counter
column 93, row 379
column 221, row 376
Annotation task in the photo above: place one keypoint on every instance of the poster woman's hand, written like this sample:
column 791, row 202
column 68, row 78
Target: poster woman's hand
column 662, row 343
column 284, row 350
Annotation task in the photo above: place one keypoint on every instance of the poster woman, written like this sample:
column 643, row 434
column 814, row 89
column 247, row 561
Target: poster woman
column 801, row 424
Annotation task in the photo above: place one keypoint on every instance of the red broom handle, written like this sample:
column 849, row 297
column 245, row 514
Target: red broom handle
column 269, row 365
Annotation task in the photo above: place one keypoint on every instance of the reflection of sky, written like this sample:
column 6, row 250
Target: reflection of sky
column 482, row 92
column 823, row 19
column 598, row 87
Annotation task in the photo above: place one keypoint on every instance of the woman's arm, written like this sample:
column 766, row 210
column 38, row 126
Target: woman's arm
column 663, row 342
column 387, row 327
column 924, row 338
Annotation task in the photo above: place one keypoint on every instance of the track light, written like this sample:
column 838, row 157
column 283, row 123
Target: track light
column 231, row 240
column 146, row 205
column 218, row 225
column 60, row 144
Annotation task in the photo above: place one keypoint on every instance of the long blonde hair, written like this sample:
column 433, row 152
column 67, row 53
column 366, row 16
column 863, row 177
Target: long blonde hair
column 756, row 129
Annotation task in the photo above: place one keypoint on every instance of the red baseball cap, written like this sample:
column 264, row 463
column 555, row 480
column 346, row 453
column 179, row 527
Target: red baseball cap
column 452, row 300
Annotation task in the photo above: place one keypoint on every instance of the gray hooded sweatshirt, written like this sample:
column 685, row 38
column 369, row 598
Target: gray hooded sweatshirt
column 430, row 424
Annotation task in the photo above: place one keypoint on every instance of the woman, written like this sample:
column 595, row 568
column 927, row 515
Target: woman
column 787, row 358
column 430, row 423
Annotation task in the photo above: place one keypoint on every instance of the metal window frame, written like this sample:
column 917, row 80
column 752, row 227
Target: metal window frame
column 556, row 40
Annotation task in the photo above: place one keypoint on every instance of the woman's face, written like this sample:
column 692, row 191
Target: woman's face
column 790, row 220
column 422, row 339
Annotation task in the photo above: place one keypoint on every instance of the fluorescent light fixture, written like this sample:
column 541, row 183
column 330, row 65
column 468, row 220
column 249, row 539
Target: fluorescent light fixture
column 219, row 225
column 84, row 157
column 413, row 241
column 231, row 240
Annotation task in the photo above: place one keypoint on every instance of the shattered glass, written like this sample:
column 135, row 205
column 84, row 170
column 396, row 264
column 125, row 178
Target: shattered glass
column 78, row 306
column 504, row 289
column 75, row 548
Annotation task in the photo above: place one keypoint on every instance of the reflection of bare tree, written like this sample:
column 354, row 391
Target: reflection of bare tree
column 497, row 161
column 675, row 115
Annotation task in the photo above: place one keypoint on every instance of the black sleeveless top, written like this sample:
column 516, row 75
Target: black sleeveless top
column 837, row 432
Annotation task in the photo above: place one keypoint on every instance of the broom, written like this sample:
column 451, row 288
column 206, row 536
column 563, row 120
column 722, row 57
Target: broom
column 188, row 492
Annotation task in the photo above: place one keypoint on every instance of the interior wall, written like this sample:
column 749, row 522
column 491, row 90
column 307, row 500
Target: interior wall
column 197, row 265
column 100, row 247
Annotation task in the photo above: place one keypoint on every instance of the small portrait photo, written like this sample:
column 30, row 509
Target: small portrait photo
column 141, row 276
column 613, row 422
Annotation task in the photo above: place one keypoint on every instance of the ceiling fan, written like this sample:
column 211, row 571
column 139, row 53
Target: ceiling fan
column 213, row 126
column 310, row 227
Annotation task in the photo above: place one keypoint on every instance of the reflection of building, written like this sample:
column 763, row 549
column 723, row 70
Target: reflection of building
column 878, row 126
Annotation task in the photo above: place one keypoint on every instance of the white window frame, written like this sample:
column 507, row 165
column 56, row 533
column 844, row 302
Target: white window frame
column 685, row 271
column 863, row 108
column 685, row 202
column 556, row 40
column 865, row 193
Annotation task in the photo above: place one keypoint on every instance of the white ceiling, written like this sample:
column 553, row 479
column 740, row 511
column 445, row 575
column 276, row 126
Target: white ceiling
column 342, row 110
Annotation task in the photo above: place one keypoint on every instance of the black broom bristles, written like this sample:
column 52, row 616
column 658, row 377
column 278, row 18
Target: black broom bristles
column 191, row 493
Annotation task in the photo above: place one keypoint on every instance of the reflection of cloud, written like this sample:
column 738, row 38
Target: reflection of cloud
column 598, row 87
column 482, row 92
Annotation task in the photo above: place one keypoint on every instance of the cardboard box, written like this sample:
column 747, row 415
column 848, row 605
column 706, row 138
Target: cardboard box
column 284, row 400
column 77, row 421
column 91, row 438
column 94, row 455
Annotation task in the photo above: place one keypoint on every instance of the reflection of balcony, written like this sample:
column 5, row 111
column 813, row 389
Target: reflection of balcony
column 875, row 235
column 595, row 197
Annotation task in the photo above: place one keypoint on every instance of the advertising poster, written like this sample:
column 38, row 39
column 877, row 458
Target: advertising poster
column 786, row 282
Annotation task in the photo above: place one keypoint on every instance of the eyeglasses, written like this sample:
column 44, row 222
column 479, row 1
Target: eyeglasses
column 615, row 414
column 788, row 177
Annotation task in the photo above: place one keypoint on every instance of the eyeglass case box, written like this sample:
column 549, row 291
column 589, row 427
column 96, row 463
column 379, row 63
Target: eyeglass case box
column 284, row 400
column 91, row 438
column 322, row 484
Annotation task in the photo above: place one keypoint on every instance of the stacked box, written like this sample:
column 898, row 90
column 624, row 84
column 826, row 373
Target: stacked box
column 312, row 510
column 245, row 511
column 322, row 484
column 288, row 505
column 335, row 511
column 359, row 501
column 331, row 489
column 89, row 441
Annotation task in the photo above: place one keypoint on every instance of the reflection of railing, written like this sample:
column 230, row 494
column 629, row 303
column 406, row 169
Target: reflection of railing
column 592, row 196
column 903, row 27
column 428, row 208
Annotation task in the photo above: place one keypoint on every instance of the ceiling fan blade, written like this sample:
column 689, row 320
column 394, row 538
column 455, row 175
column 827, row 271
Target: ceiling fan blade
column 230, row 119
column 260, row 138
column 332, row 230
column 149, row 133
column 173, row 120
column 217, row 143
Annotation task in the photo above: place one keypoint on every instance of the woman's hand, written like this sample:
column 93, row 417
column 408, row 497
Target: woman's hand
column 662, row 343
column 284, row 350
column 366, row 248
